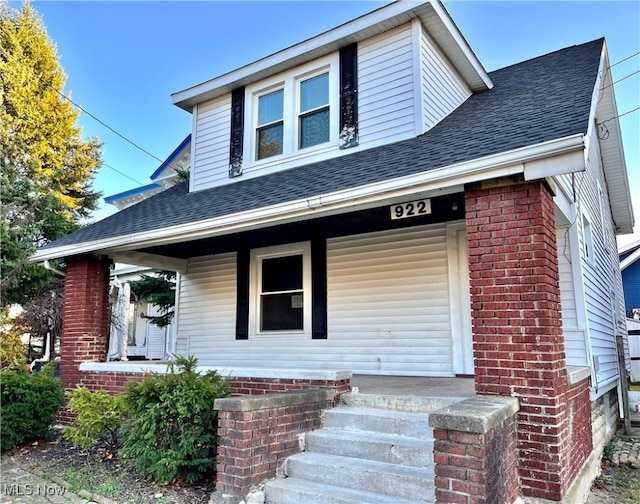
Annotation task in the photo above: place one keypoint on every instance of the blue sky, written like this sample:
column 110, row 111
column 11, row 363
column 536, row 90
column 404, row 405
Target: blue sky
column 124, row 59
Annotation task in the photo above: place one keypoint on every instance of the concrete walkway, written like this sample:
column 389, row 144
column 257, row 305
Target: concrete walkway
column 18, row 486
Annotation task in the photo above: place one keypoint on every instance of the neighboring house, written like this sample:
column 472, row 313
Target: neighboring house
column 132, row 337
column 630, row 268
column 373, row 200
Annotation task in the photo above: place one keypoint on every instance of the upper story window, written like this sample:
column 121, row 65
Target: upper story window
column 314, row 111
column 309, row 109
column 270, row 124
column 294, row 111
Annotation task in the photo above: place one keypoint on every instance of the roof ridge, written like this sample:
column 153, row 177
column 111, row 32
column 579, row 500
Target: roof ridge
column 562, row 49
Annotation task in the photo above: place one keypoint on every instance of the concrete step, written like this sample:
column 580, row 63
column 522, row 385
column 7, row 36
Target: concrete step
column 296, row 491
column 414, row 404
column 388, row 448
column 382, row 421
column 397, row 481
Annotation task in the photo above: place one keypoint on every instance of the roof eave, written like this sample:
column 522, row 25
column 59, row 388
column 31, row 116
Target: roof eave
column 493, row 166
column 432, row 14
column 604, row 115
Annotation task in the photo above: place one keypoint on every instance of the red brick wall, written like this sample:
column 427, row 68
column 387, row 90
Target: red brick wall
column 85, row 325
column 476, row 468
column 517, row 330
column 253, row 445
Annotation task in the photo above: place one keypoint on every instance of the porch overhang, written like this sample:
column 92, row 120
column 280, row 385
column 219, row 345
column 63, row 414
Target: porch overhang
column 538, row 161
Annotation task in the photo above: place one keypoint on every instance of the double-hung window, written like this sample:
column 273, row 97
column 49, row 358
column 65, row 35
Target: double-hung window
column 282, row 289
column 314, row 121
column 269, row 134
column 294, row 112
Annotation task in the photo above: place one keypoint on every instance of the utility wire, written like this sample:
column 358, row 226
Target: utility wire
column 104, row 124
column 122, row 173
column 623, row 60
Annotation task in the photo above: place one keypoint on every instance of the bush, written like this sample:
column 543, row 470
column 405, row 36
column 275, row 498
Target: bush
column 99, row 416
column 29, row 402
column 173, row 426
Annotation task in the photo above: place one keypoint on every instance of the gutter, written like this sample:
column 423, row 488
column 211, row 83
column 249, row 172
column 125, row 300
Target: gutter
column 498, row 165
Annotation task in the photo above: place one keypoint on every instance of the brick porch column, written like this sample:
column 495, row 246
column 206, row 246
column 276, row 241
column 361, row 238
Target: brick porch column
column 85, row 323
column 518, row 345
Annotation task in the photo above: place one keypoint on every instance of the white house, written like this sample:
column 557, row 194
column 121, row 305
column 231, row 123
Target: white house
column 131, row 335
column 373, row 200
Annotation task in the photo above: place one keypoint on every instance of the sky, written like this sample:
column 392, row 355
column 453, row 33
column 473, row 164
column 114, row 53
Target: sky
column 124, row 59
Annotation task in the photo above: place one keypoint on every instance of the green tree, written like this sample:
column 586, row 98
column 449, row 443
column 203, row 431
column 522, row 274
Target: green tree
column 46, row 167
column 158, row 289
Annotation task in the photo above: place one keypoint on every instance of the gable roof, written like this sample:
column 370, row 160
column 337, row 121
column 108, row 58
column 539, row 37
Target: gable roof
column 431, row 14
column 629, row 254
column 536, row 108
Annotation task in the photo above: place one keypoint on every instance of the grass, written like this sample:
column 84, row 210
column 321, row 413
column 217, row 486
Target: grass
column 84, row 479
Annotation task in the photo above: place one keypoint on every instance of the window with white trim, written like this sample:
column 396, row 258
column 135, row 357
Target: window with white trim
column 281, row 285
column 293, row 112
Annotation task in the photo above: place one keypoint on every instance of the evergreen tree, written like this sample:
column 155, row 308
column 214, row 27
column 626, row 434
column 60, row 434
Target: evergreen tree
column 158, row 289
column 46, row 168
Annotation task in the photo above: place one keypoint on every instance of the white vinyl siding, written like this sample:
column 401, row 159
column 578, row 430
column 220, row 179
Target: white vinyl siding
column 443, row 90
column 601, row 283
column 156, row 336
column 206, row 320
column 212, row 129
column 388, row 302
column 386, row 87
column 388, row 310
column 574, row 336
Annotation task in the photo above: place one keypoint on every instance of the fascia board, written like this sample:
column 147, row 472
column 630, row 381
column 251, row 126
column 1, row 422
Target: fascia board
column 361, row 28
column 628, row 261
column 498, row 165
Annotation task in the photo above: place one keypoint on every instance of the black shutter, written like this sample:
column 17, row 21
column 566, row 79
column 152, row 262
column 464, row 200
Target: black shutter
column 236, row 143
column 349, row 96
column 319, row 287
column 242, row 294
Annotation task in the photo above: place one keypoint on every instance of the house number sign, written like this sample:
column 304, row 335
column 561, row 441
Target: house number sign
column 410, row 209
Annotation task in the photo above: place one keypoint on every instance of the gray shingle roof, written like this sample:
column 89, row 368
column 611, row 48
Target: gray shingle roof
column 539, row 100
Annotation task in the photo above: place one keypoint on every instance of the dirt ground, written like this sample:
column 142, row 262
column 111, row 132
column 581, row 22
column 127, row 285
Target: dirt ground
column 118, row 480
column 97, row 472
column 617, row 485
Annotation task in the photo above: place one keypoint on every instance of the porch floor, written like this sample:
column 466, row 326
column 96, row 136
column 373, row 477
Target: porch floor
column 414, row 385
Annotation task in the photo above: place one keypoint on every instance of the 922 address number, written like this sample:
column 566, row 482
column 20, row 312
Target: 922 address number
column 410, row 209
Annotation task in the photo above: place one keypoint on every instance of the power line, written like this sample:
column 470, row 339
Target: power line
column 623, row 60
column 123, row 174
column 103, row 123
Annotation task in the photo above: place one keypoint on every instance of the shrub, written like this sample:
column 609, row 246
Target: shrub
column 99, row 416
column 12, row 350
column 29, row 402
column 173, row 426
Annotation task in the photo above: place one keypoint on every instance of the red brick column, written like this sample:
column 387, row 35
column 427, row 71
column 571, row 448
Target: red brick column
column 85, row 324
column 517, row 329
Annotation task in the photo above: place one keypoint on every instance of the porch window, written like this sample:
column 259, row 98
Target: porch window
column 282, row 286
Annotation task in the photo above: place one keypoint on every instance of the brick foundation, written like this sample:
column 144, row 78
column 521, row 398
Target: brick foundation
column 257, row 434
column 517, row 331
